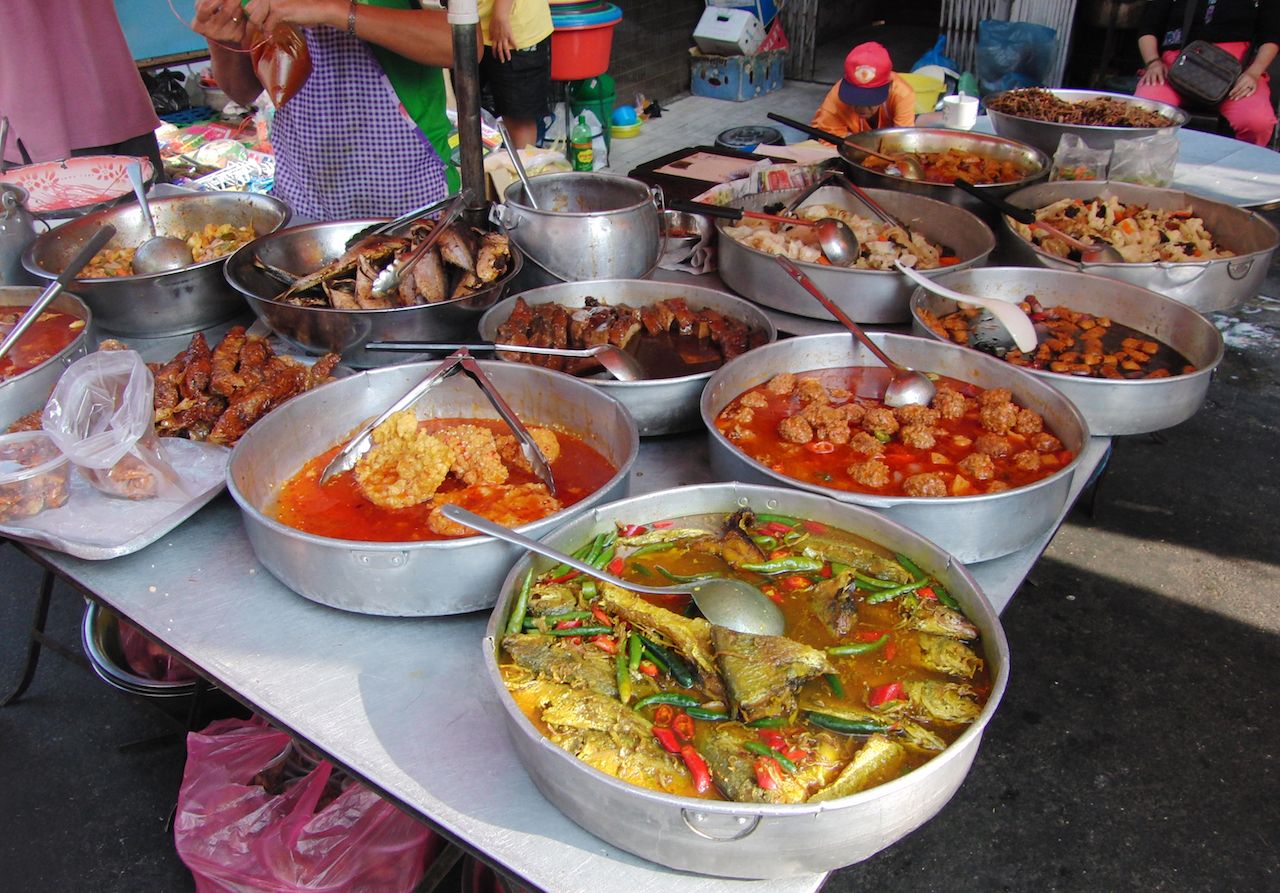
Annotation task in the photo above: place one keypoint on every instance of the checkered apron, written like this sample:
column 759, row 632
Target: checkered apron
column 344, row 146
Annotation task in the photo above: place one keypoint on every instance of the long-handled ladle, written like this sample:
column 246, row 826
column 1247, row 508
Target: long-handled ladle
column 839, row 243
column 910, row 167
column 1090, row 253
column 158, row 254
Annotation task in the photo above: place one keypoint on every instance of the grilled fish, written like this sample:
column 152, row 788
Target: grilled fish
column 456, row 248
column 374, row 248
column 426, row 282
column 762, row 673
column 494, row 258
column 879, row 758
column 577, row 667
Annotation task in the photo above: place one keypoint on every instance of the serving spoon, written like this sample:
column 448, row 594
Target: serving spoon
column 158, row 254
column 905, row 385
column 910, row 168
column 517, row 164
column 1090, row 253
column 617, row 362
column 733, row 604
column 1016, row 323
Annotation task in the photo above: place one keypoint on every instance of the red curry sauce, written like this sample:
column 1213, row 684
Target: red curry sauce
column 341, row 511
column 48, row 335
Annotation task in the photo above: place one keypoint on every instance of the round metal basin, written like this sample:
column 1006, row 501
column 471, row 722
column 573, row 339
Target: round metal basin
column 1044, row 135
column 25, row 393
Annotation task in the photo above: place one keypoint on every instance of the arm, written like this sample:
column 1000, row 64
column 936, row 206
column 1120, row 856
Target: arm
column 223, row 25
column 501, row 37
column 1247, row 83
column 1153, row 67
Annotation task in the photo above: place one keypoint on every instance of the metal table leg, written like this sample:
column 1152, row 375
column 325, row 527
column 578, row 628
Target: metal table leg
column 35, row 638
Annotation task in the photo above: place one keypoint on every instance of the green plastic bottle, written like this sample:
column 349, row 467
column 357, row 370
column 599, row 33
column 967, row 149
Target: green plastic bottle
column 581, row 155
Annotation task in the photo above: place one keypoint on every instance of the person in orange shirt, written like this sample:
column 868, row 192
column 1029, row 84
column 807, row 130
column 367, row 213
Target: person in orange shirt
column 868, row 97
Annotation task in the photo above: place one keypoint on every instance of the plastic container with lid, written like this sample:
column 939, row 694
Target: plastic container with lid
column 34, row 475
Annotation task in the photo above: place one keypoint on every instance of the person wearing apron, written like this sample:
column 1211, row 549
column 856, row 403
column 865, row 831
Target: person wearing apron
column 366, row 134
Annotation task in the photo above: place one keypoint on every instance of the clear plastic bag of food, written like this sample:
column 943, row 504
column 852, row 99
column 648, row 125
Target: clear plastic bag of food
column 1075, row 160
column 256, row 811
column 281, row 61
column 1148, row 160
column 100, row 416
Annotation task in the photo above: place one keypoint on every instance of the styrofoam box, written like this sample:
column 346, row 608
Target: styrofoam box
column 765, row 10
column 727, row 32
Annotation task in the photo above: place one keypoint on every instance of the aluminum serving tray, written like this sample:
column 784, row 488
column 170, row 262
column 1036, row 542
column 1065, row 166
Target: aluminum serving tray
column 1207, row 286
column 659, row 405
column 1044, row 135
column 750, row 840
column 1108, row 406
column 869, row 296
column 410, row 579
column 972, row 528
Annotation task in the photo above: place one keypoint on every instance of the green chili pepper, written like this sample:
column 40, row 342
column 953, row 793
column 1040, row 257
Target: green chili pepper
column 622, row 672
column 596, row 545
column 769, row 722
column 635, row 651
column 651, row 548
column 794, row 538
column 682, row 578
column 546, row 619
column 765, row 542
column 589, row 590
column 858, row 647
column 640, row 569
column 515, row 622
column 605, row 556
column 839, row 568
column 910, row 567
column 674, row 698
column 661, row 664
column 885, row 595
column 709, row 715
column 792, row 564
column 778, row 519
column 673, row 663
column 561, row 569
column 944, row 597
column 847, row 726
column 873, row 582
column 765, row 750
column 837, row 687
column 582, row 631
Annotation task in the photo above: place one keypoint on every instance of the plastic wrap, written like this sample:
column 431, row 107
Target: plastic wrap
column 1075, row 160
column 1148, row 160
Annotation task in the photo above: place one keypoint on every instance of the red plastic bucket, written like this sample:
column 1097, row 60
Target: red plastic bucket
column 581, row 44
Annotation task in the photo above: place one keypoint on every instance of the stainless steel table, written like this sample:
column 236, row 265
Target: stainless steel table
column 403, row 703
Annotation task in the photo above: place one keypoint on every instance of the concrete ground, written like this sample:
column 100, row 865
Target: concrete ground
column 1135, row 748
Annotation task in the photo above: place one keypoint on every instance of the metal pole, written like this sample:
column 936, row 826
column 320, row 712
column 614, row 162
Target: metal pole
column 464, row 18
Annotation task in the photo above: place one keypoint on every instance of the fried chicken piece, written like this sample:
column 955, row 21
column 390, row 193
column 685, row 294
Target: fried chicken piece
column 509, row 448
column 405, row 466
column 507, row 504
column 225, row 358
column 475, row 455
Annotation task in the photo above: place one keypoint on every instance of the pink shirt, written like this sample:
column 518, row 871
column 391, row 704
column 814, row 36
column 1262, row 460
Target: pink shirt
column 67, row 78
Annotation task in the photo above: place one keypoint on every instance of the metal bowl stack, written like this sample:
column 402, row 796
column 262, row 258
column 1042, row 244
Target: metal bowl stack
column 1044, row 135
column 659, row 405
column 319, row 330
column 972, row 528
column 28, row 391
column 409, row 579
column 100, row 636
column 870, row 296
column 749, row 840
column 1210, row 285
column 155, row 305
column 1109, row 406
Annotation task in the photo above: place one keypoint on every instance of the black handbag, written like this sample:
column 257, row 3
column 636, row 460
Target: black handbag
column 1203, row 71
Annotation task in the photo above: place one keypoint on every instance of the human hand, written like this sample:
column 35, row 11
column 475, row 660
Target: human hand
column 1245, row 85
column 501, row 38
column 219, row 20
column 1154, row 73
column 267, row 14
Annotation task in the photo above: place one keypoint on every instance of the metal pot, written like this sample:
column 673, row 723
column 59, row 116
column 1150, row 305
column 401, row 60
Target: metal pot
column 411, row 579
column 155, row 305
column 319, row 330
column 100, row 636
column 660, row 405
column 1222, row 284
column 897, row 140
column 745, row 840
column 1108, row 406
column 870, row 296
column 586, row 226
column 29, row 391
column 17, row 231
column 972, row 528
column 1044, row 135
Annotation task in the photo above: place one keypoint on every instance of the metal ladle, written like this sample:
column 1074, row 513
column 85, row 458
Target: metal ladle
column 905, row 385
column 158, row 254
column 1010, row 316
column 616, row 361
column 839, row 243
column 733, row 604
column 908, row 166
column 517, row 163
column 1090, row 253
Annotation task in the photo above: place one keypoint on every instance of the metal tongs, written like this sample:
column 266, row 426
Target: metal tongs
column 458, row 361
column 389, row 279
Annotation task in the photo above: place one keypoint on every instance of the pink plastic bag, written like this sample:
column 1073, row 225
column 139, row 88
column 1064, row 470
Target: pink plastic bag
column 245, row 826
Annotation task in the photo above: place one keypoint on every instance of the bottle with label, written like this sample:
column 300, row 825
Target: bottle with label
column 581, row 155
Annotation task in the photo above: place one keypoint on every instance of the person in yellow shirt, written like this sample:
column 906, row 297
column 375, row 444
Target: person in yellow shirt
column 516, row 66
column 869, row 96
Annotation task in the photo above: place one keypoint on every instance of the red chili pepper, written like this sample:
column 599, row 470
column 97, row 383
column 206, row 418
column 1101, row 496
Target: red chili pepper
column 882, row 694
column 615, row 567
column 697, row 768
column 682, row 725
column 868, row 635
column 663, row 714
column 814, row 526
column 779, row 553
column 666, row 738
column 607, row 644
column 825, row 573
column 564, row 578
column 648, row 667
column 662, row 525
column 632, row 530
column 772, row 738
column 890, row 650
column 599, row 614
column 568, row 624
column 773, row 593
column 775, row 528
column 793, row 753
column 927, row 592
column 821, row 447
column 795, row 581
column 767, row 772
column 575, row 640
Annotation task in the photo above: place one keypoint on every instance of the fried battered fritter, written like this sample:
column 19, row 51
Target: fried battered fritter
column 405, row 466
column 510, row 505
column 475, row 455
column 509, row 448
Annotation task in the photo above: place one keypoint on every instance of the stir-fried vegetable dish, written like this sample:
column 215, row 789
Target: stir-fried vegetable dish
column 878, row 671
column 1139, row 233
column 818, row 427
column 210, row 241
column 1039, row 104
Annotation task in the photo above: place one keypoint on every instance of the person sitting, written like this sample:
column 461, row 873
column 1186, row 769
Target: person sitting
column 1233, row 25
column 869, row 96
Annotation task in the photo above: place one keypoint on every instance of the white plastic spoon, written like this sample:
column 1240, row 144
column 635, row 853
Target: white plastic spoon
column 1009, row 315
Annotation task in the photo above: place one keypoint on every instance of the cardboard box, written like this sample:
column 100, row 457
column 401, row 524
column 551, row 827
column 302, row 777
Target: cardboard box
column 737, row 78
column 764, row 10
column 728, row 31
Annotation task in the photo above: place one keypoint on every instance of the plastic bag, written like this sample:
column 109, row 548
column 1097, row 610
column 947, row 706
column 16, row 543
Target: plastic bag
column 257, row 812
column 937, row 56
column 281, row 61
column 1013, row 54
column 100, row 416
column 1075, row 160
column 1148, row 160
